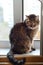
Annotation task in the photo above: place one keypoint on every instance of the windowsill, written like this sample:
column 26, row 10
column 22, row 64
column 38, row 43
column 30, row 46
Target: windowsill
column 36, row 39
column 5, row 51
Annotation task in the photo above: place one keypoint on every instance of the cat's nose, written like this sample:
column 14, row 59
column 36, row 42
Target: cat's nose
column 33, row 24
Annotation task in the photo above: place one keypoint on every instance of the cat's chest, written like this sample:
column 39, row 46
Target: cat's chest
column 31, row 33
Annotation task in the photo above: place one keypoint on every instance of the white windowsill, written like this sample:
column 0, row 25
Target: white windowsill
column 5, row 51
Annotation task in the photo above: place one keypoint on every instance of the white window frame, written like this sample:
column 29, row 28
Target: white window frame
column 41, row 35
column 18, row 17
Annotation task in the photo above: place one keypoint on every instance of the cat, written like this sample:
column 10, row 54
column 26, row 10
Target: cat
column 21, row 37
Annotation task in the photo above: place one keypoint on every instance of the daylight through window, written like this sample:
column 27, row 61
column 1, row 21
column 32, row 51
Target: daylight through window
column 6, row 18
column 33, row 7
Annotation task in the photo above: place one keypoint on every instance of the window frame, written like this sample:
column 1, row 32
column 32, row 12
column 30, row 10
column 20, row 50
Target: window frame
column 20, row 18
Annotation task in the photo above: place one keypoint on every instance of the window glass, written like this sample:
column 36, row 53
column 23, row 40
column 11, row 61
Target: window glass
column 6, row 18
column 33, row 7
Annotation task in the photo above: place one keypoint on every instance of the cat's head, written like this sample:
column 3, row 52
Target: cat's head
column 32, row 21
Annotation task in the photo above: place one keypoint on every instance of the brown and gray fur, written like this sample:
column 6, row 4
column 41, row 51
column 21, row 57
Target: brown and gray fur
column 22, row 35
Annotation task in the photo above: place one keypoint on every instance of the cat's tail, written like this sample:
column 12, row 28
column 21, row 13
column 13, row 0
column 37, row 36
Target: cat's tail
column 14, row 61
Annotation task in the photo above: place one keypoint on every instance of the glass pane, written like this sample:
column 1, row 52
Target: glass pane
column 31, row 7
column 34, row 7
column 6, row 18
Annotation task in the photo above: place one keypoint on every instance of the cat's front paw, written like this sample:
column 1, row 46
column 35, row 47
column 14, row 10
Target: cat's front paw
column 33, row 49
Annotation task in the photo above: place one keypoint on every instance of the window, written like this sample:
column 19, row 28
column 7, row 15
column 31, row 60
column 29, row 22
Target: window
column 11, row 14
column 33, row 7
column 6, row 18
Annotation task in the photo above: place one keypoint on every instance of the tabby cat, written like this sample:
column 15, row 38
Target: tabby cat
column 21, row 37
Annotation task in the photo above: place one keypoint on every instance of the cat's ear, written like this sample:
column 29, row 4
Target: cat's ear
column 37, row 18
column 27, row 17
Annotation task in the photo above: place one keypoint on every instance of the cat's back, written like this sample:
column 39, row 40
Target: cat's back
column 18, row 30
column 18, row 27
